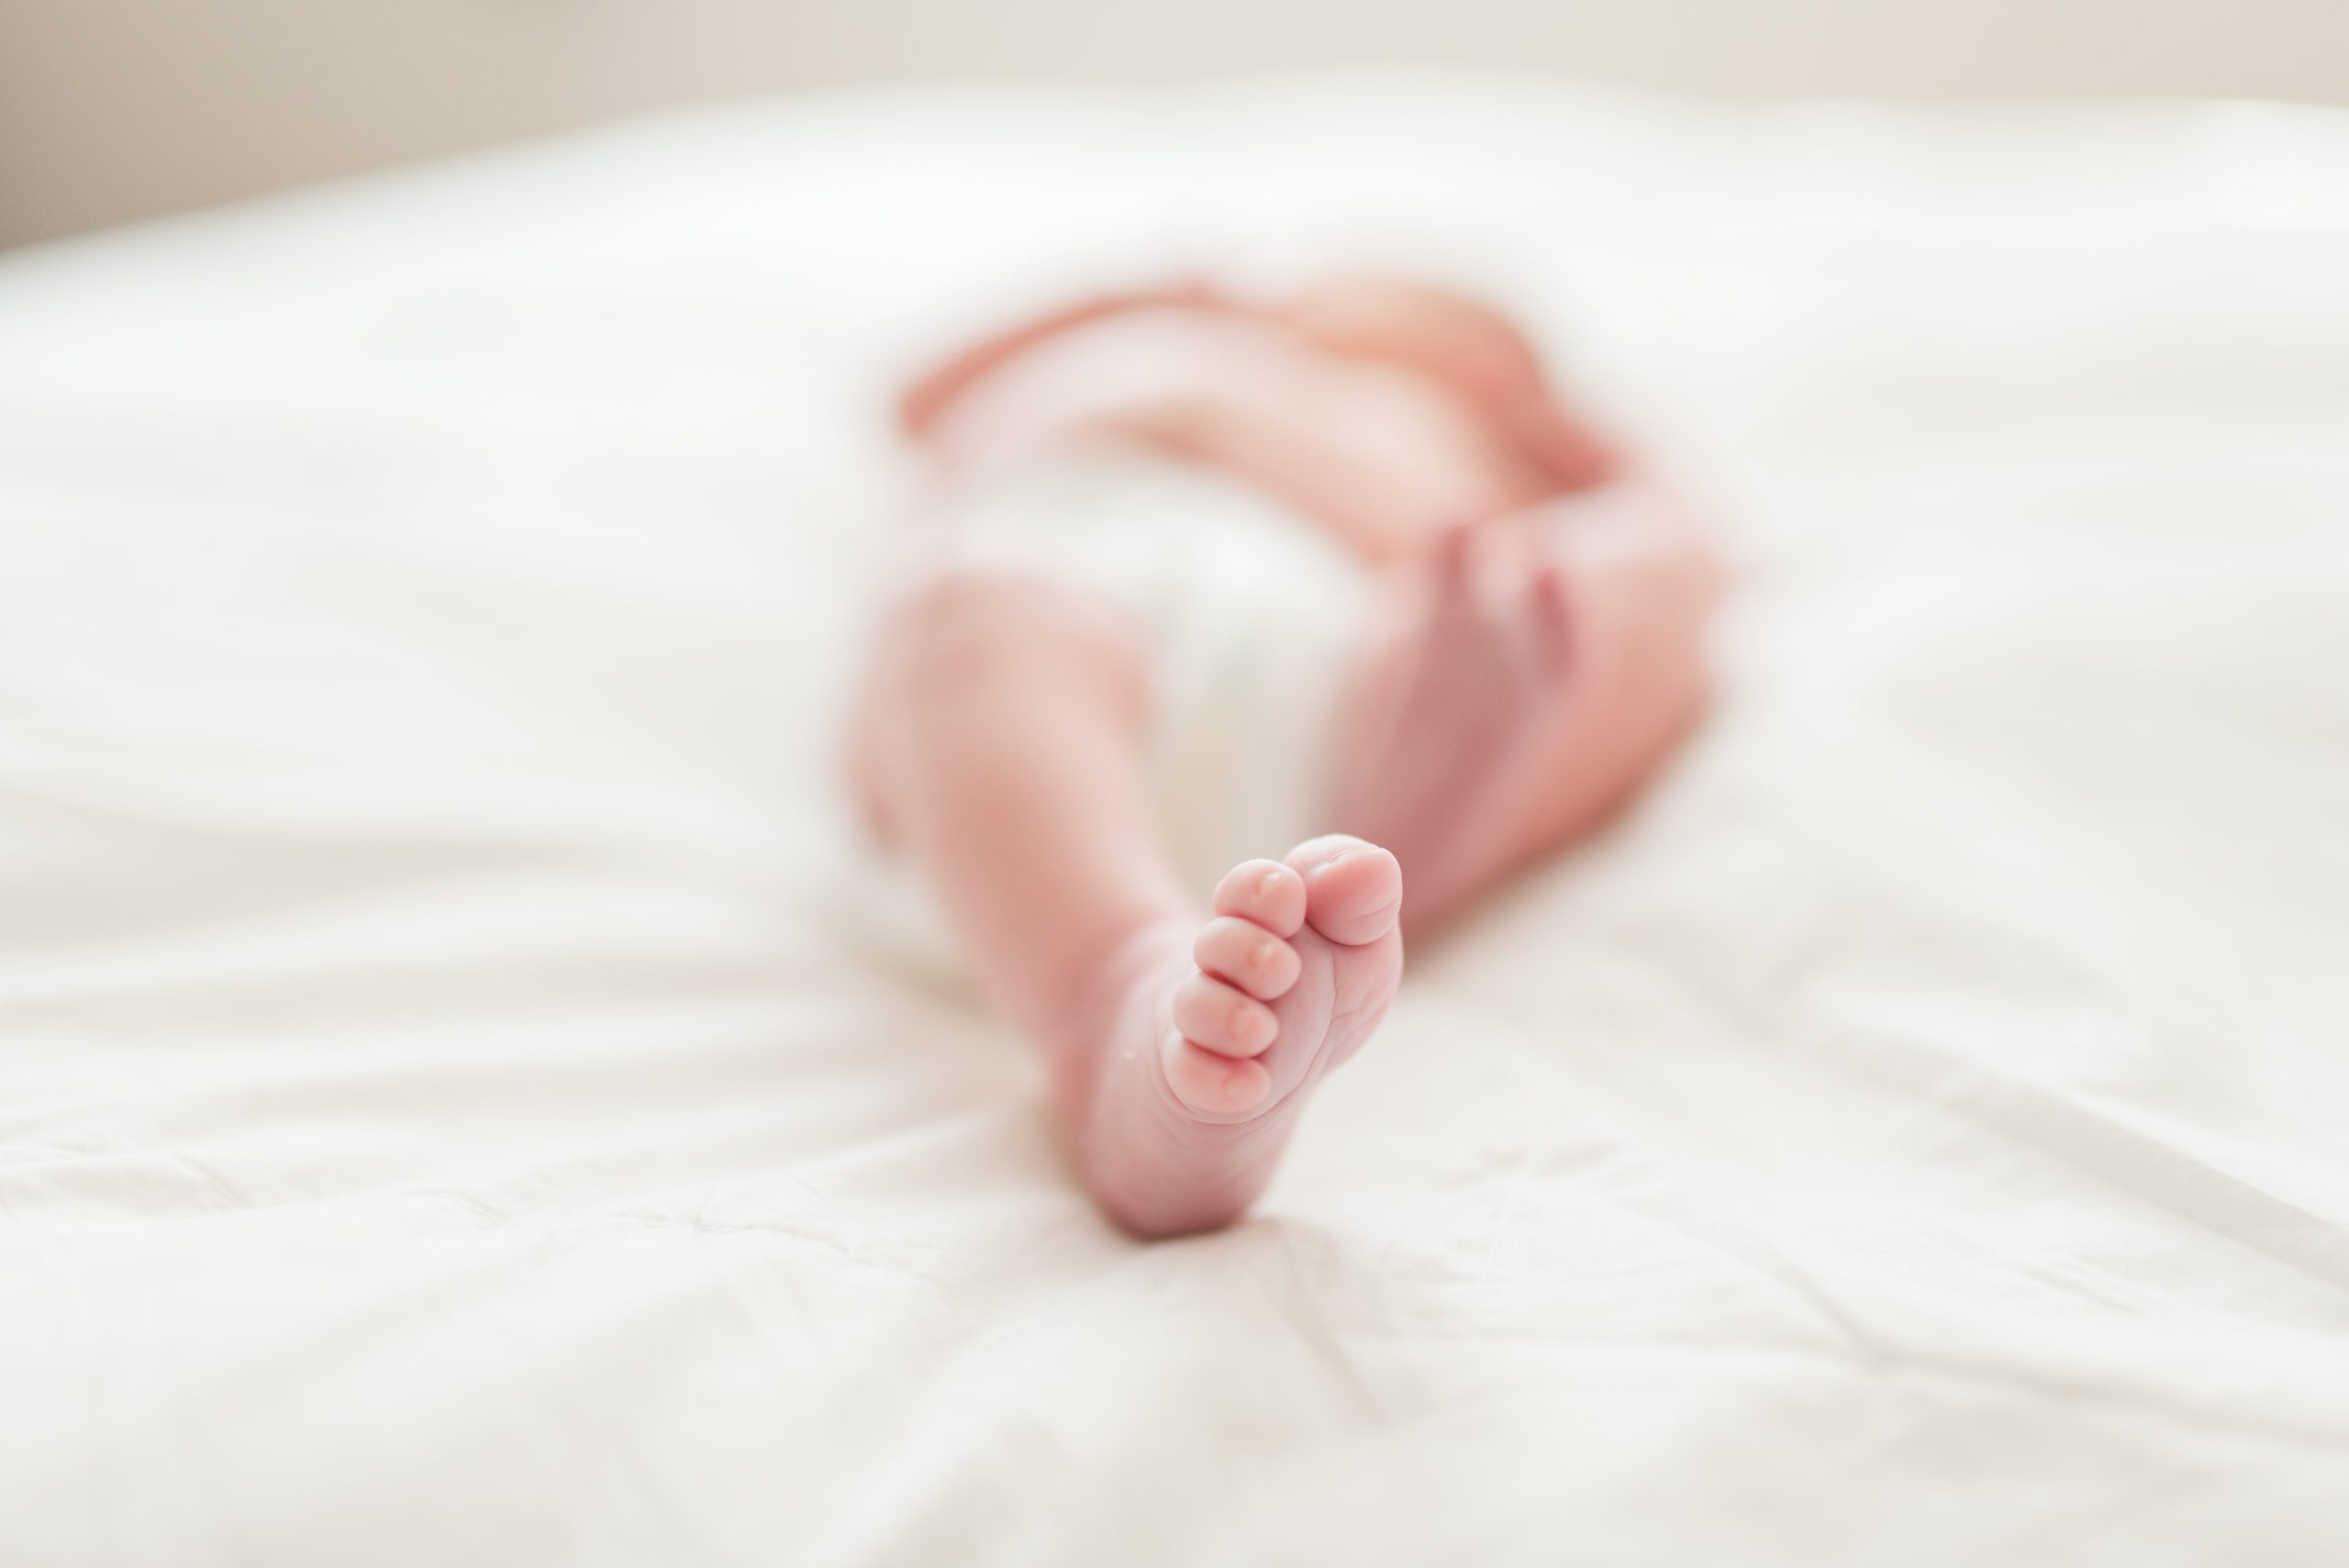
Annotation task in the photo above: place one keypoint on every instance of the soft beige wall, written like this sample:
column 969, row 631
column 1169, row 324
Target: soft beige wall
column 118, row 108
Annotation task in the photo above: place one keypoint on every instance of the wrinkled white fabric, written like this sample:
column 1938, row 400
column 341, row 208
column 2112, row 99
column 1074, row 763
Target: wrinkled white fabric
column 456, row 1107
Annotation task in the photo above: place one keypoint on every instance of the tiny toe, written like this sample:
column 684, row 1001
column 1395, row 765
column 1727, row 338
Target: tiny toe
column 1353, row 888
column 1266, row 892
column 1217, row 1085
column 1222, row 1019
column 1247, row 955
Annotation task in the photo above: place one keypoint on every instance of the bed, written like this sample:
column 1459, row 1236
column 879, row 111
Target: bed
column 460, row 1102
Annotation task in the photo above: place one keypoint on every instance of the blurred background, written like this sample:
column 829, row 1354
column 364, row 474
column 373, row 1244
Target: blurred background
column 120, row 109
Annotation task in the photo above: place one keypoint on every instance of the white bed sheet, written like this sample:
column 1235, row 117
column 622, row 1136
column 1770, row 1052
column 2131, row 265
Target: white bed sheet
column 458, row 1104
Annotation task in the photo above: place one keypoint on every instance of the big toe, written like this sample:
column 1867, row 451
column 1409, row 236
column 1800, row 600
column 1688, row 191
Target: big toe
column 1353, row 889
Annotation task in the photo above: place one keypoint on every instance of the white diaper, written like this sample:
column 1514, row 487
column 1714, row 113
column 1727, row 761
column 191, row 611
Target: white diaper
column 1249, row 614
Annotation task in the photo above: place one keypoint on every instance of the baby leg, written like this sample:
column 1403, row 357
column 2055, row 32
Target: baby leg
column 1000, row 743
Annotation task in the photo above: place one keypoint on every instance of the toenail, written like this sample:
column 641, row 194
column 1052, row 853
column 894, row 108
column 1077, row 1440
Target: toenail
column 1266, row 882
column 1265, row 952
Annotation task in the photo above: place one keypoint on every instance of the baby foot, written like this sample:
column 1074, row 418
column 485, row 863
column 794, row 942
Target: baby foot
column 1214, row 1035
column 1531, row 672
column 1461, row 689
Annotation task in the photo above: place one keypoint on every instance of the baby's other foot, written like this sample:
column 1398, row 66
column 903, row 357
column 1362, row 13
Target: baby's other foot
column 1531, row 674
column 1217, row 1033
column 1460, row 694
